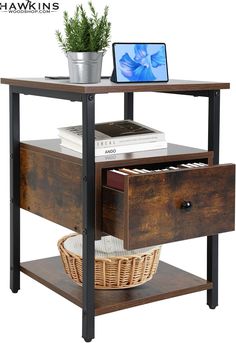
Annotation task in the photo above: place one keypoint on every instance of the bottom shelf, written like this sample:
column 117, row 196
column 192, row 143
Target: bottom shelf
column 167, row 283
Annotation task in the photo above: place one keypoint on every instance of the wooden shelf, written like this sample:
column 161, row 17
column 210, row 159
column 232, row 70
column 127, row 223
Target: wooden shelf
column 167, row 283
column 172, row 152
column 106, row 86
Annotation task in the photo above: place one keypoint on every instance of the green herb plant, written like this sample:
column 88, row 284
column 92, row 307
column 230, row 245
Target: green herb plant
column 85, row 33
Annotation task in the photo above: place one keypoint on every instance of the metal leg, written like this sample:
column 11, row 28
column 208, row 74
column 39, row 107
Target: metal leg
column 212, row 241
column 212, row 270
column 88, row 102
column 14, row 191
column 128, row 105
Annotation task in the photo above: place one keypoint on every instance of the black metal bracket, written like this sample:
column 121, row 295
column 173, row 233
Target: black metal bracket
column 48, row 93
column 192, row 93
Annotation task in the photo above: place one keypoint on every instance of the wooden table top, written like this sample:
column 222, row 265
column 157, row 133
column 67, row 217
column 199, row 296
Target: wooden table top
column 106, row 86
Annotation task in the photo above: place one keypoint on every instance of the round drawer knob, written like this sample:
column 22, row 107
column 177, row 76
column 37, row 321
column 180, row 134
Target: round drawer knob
column 186, row 205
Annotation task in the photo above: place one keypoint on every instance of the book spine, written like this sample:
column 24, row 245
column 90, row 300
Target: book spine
column 106, row 143
column 117, row 149
column 131, row 140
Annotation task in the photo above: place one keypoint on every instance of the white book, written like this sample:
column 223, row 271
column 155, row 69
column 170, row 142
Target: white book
column 114, row 133
column 116, row 149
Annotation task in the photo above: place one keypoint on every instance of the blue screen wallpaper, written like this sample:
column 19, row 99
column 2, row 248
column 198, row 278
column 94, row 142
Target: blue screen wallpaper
column 140, row 62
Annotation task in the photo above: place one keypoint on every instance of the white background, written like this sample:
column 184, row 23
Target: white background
column 200, row 38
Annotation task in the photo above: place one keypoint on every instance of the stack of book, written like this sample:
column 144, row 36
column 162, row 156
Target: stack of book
column 115, row 138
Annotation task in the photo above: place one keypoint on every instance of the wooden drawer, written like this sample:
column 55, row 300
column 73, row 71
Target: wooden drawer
column 51, row 178
column 152, row 209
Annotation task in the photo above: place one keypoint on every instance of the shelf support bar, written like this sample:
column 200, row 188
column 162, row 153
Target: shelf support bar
column 212, row 241
column 129, row 105
column 14, row 191
column 88, row 104
column 48, row 93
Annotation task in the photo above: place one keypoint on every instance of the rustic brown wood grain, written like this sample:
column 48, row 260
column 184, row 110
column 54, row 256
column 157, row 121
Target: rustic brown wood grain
column 46, row 159
column 153, row 214
column 168, row 282
column 106, row 86
column 51, row 188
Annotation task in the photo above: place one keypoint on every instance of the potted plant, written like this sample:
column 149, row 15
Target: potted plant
column 85, row 41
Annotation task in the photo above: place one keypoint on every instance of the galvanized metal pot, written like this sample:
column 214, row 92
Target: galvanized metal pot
column 85, row 67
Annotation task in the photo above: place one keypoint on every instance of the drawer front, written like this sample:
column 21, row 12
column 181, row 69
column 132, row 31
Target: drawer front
column 176, row 205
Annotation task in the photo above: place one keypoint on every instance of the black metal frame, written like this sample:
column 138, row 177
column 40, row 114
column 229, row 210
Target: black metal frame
column 128, row 105
column 213, row 145
column 14, row 191
column 88, row 104
column 48, row 93
column 212, row 241
column 88, row 115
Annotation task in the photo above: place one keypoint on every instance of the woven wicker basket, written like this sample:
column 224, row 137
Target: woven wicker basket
column 115, row 272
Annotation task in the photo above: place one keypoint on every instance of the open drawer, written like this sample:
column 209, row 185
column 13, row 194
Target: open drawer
column 156, row 208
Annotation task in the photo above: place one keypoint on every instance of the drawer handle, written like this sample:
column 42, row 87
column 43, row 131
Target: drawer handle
column 186, row 205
